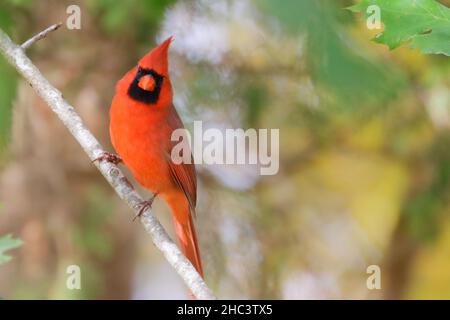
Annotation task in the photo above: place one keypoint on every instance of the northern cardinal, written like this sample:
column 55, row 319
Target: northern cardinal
column 142, row 119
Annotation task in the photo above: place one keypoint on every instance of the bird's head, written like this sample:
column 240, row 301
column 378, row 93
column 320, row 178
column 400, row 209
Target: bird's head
column 149, row 81
column 157, row 59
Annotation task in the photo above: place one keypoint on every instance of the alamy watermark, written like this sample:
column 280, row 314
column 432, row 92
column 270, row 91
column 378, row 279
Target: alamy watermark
column 73, row 280
column 227, row 147
column 373, row 281
column 373, row 17
column 73, row 20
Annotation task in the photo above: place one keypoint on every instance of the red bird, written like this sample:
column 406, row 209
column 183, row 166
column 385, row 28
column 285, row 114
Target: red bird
column 142, row 119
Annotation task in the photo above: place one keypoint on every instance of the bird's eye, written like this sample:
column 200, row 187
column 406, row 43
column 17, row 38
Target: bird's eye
column 139, row 69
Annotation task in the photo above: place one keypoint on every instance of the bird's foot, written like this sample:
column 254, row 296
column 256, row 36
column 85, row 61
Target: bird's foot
column 109, row 157
column 144, row 205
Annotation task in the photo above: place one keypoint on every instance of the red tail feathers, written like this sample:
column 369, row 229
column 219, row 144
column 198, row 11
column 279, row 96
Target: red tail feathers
column 187, row 237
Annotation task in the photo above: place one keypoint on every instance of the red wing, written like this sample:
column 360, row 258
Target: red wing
column 183, row 174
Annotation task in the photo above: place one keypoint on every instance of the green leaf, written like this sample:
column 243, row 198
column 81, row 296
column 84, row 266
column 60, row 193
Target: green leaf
column 338, row 65
column 7, row 243
column 425, row 23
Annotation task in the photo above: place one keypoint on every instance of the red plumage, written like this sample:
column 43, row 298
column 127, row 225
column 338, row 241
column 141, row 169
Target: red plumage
column 142, row 119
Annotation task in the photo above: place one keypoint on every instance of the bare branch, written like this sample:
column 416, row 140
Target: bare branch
column 40, row 35
column 16, row 56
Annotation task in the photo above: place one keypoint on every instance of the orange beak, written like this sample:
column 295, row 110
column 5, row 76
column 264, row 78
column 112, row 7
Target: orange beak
column 147, row 83
column 157, row 58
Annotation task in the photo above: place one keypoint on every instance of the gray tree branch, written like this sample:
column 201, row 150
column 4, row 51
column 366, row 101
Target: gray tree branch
column 16, row 56
column 40, row 35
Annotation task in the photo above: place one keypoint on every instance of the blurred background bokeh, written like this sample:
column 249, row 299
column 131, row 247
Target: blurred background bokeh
column 364, row 153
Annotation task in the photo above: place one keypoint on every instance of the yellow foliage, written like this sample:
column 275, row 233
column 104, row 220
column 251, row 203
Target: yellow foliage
column 430, row 274
column 373, row 189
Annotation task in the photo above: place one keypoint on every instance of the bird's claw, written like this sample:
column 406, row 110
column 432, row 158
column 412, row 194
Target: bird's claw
column 109, row 157
column 144, row 205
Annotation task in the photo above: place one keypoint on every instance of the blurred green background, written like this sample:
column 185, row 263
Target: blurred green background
column 364, row 153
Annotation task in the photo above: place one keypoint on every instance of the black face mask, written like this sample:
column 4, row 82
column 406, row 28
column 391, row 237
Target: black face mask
column 146, row 96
